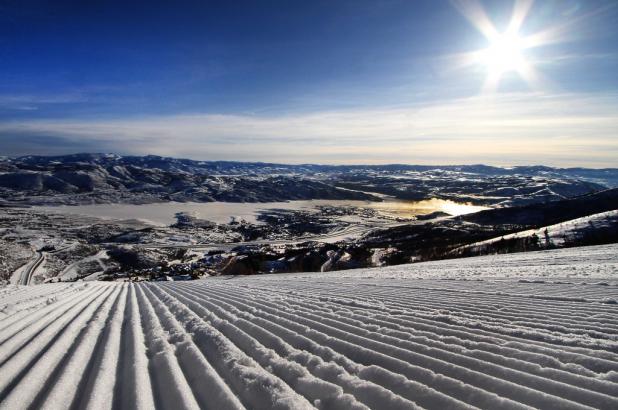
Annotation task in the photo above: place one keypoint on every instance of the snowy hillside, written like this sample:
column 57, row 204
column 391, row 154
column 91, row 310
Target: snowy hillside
column 108, row 178
column 513, row 331
column 599, row 226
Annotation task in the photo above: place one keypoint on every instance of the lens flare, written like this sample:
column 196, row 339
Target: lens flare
column 505, row 53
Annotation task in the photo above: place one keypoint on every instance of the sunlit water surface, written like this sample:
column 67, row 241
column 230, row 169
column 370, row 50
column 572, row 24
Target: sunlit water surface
column 162, row 214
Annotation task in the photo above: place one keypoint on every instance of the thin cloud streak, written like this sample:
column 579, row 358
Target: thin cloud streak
column 501, row 129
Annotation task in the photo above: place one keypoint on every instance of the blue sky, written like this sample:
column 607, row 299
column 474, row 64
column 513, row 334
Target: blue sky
column 309, row 81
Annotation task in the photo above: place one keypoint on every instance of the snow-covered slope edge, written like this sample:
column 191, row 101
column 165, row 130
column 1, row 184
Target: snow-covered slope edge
column 374, row 338
column 593, row 229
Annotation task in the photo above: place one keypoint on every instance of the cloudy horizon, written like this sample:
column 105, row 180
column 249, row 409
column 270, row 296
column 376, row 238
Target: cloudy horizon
column 453, row 82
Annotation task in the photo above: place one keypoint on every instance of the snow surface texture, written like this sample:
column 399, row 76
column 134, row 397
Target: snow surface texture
column 377, row 338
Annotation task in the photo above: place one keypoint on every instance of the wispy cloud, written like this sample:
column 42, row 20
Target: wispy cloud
column 566, row 129
column 33, row 101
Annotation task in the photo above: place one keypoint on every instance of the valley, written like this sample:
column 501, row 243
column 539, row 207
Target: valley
column 103, row 217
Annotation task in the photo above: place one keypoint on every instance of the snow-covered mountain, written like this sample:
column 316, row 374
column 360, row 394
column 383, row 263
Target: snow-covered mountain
column 105, row 178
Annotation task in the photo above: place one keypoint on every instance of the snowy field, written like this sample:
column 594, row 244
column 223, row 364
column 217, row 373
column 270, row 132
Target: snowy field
column 502, row 332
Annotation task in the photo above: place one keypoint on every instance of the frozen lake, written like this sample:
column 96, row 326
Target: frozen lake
column 162, row 214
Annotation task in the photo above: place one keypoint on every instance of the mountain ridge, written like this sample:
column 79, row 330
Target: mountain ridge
column 109, row 178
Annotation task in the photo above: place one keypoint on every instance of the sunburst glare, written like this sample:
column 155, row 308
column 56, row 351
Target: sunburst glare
column 505, row 52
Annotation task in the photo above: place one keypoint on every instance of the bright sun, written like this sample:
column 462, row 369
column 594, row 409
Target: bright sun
column 506, row 50
column 504, row 54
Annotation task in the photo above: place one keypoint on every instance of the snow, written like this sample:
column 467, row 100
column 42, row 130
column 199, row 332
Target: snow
column 556, row 235
column 516, row 331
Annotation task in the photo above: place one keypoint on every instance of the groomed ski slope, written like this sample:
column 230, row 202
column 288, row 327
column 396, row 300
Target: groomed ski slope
column 502, row 332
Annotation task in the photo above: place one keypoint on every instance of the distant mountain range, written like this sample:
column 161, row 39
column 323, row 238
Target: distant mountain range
column 605, row 176
column 107, row 178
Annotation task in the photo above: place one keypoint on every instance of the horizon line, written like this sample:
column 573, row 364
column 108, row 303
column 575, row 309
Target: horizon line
column 292, row 164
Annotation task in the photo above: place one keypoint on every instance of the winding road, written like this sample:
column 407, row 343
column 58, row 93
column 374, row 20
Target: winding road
column 24, row 275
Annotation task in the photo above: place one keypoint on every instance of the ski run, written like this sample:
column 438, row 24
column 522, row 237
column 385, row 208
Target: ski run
column 534, row 330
